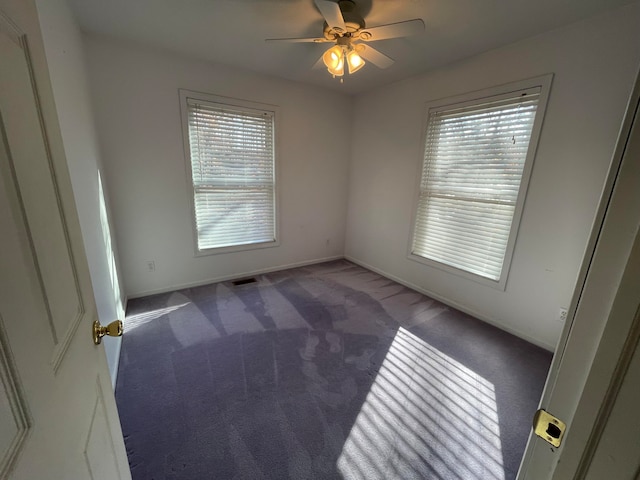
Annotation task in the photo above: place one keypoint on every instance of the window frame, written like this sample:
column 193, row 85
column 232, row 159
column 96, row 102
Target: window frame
column 477, row 97
column 184, row 96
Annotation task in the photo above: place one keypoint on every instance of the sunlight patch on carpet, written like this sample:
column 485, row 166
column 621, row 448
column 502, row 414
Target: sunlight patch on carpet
column 188, row 324
column 426, row 413
column 134, row 321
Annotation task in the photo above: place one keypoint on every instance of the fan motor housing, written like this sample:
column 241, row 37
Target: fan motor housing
column 352, row 20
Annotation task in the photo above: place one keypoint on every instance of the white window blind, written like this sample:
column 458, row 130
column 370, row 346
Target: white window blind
column 232, row 167
column 474, row 159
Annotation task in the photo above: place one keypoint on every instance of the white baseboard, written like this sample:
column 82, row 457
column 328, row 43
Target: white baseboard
column 453, row 304
column 233, row 276
column 436, row 296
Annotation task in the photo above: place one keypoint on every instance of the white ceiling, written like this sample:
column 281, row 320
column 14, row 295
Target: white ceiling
column 232, row 32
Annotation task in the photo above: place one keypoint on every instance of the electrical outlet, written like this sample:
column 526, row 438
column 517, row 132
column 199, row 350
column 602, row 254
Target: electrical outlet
column 562, row 315
column 151, row 266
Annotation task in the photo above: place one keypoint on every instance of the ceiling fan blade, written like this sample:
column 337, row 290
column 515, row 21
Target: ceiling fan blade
column 393, row 30
column 379, row 59
column 332, row 14
column 319, row 64
column 297, row 40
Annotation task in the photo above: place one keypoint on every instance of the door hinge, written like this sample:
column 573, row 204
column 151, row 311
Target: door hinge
column 548, row 427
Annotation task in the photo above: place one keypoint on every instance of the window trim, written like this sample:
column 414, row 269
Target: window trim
column 184, row 95
column 472, row 98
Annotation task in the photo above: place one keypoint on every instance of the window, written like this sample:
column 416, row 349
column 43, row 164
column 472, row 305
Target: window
column 477, row 158
column 230, row 147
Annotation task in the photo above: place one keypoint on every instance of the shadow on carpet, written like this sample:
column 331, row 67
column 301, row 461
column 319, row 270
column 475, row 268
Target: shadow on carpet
column 322, row 372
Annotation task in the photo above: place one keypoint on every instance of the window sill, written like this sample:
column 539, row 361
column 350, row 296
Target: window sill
column 500, row 285
column 236, row 248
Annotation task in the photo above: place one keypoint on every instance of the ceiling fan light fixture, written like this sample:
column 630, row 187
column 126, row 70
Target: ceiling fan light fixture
column 343, row 26
column 334, row 60
column 338, row 70
column 354, row 61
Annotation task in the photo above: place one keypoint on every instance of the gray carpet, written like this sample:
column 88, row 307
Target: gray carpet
column 322, row 372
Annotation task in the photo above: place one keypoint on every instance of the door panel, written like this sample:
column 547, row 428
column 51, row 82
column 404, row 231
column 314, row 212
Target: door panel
column 617, row 454
column 14, row 277
column 39, row 197
column 59, row 418
column 99, row 451
column 14, row 422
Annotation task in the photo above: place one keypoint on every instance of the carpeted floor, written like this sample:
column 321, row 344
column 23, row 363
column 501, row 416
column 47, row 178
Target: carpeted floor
column 322, row 372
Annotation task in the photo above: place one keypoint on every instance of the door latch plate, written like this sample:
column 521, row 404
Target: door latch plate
column 548, row 427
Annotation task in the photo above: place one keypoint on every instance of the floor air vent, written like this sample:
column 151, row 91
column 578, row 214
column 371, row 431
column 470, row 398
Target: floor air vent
column 244, row 281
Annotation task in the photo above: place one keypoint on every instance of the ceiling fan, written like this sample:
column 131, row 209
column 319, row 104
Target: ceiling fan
column 346, row 29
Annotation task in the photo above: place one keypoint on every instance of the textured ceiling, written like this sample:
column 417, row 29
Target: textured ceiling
column 232, row 32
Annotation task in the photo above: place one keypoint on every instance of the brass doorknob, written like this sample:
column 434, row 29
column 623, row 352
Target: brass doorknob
column 114, row 329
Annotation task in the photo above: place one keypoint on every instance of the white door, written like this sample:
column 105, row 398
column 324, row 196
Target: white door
column 595, row 352
column 58, row 418
column 616, row 452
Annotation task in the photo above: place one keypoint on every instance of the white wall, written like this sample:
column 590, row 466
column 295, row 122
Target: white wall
column 65, row 58
column 138, row 117
column 594, row 63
